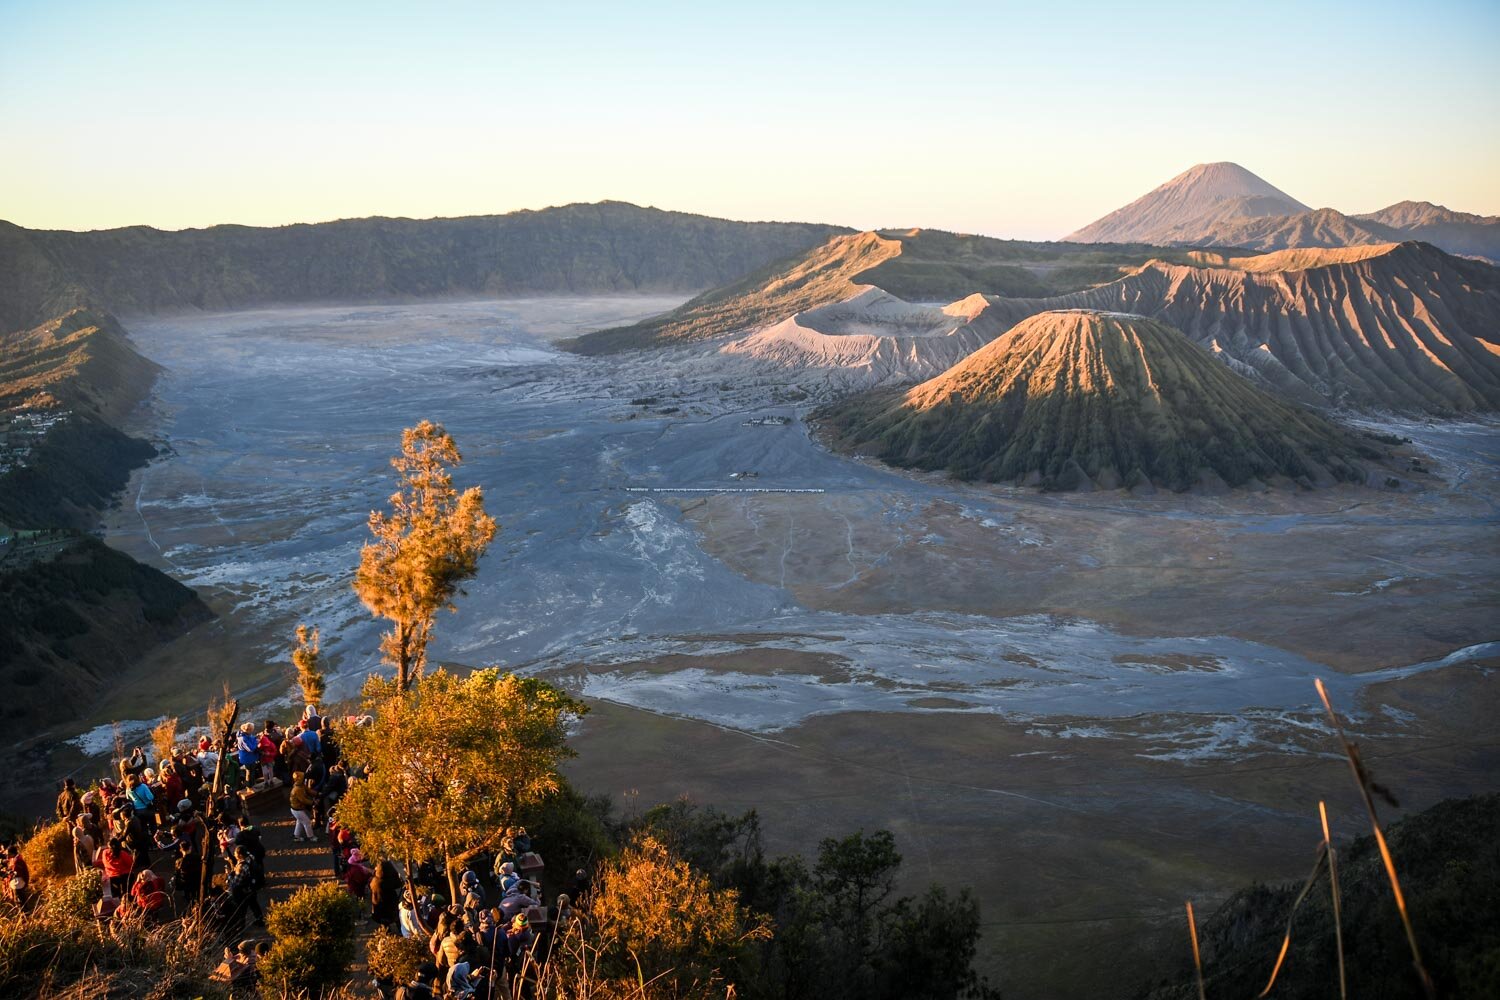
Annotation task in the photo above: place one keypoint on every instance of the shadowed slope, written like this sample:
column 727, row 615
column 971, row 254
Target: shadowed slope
column 1450, row 875
column 1070, row 399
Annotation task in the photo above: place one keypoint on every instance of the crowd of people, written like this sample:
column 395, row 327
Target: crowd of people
column 172, row 834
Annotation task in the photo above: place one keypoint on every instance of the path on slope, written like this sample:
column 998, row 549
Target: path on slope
column 291, row 866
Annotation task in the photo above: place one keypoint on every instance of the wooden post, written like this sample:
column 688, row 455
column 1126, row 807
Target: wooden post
column 207, row 877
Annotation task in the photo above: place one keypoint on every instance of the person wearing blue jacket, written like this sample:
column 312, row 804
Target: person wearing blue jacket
column 309, row 737
column 247, row 751
column 141, row 798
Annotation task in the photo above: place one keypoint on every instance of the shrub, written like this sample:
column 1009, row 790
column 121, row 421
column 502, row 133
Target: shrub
column 658, row 917
column 314, row 933
column 73, row 898
column 49, row 853
column 394, row 958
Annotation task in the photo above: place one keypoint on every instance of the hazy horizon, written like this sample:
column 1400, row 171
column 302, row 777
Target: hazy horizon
column 989, row 118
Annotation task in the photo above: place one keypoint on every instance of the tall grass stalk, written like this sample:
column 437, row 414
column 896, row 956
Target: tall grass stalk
column 1333, row 883
column 1286, row 939
column 1197, row 958
column 1362, row 782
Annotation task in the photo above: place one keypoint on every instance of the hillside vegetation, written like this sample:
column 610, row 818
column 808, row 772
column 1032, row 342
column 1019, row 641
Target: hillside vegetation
column 71, row 475
column 82, row 368
column 1450, row 873
column 76, row 613
column 1074, row 399
column 83, row 359
column 77, row 619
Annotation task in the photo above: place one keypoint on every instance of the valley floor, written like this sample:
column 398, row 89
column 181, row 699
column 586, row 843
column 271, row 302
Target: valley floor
column 1086, row 707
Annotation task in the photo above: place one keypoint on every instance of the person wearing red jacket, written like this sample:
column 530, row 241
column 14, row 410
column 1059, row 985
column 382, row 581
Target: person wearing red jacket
column 17, row 873
column 357, row 878
column 173, row 790
column 117, row 863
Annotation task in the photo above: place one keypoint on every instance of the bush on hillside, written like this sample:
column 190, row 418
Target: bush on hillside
column 314, row 933
column 394, row 959
column 658, row 918
column 73, row 898
column 49, row 853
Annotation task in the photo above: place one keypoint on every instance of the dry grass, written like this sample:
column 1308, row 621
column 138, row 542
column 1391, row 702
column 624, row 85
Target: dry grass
column 52, row 955
column 164, row 738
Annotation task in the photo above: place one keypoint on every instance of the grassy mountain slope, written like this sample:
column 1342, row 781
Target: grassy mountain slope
column 919, row 265
column 76, row 612
column 36, row 286
column 1449, row 861
column 1073, row 399
column 83, row 359
column 84, row 364
column 575, row 249
column 75, row 621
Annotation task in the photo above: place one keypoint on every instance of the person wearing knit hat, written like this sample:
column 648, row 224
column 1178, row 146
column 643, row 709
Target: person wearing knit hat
column 518, row 940
column 507, row 878
column 358, row 875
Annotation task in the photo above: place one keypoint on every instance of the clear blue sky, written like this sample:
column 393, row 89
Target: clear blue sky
column 1024, row 120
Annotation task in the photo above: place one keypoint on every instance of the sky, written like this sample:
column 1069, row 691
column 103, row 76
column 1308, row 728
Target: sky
column 1023, row 120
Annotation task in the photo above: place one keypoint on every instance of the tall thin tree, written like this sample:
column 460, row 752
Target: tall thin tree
column 307, row 657
column 427, row 545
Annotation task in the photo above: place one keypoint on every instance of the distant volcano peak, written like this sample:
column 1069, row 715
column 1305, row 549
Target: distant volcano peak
column 1198, row 192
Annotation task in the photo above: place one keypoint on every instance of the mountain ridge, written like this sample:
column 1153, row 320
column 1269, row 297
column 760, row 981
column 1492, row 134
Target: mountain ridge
column 1386, row 326
column 604, row 247
column 918, row 265
column 1407, row 328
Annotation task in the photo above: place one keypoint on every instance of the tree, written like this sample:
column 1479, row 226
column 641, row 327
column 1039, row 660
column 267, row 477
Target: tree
column 307, row 657
column 453, row 762
column 658, row 919
column 856, row 875
column 427, row 545
column 840, row 934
